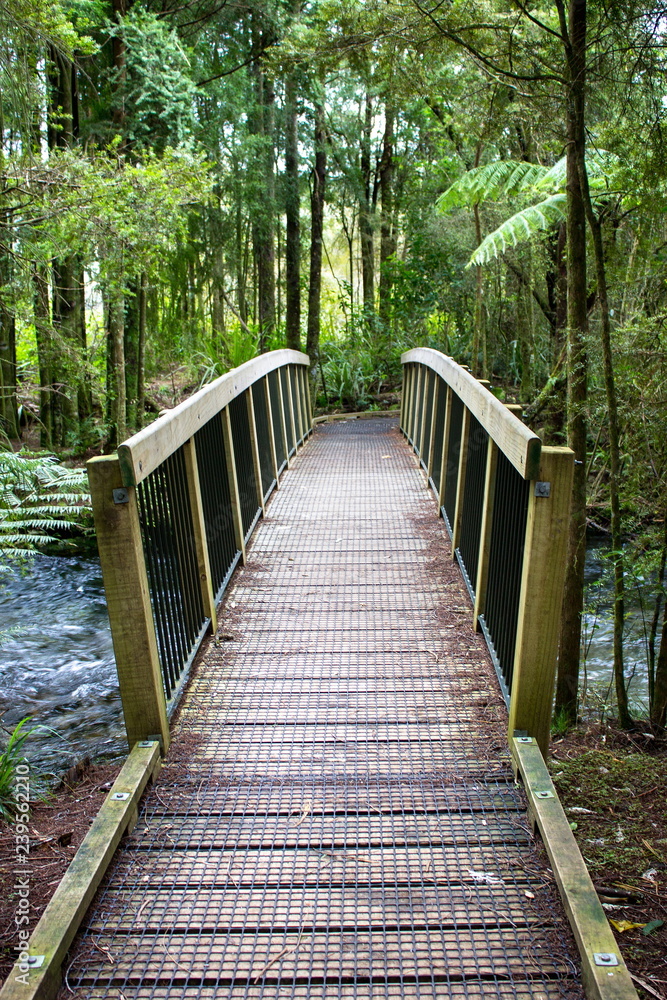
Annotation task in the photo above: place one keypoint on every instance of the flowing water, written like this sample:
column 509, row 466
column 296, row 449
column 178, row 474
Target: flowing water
column 58, row 666
column 596, row 683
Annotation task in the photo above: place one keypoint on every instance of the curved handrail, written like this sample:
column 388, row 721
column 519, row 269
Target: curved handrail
column 521, row 446
column 143, row 452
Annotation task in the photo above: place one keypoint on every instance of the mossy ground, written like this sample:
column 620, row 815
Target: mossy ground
column 613, row 787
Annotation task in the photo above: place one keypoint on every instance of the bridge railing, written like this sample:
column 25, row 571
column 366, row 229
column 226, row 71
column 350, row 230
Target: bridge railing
column 505, row 499
column 173, row 511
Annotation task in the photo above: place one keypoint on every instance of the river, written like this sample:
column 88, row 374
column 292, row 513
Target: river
column 58, row 667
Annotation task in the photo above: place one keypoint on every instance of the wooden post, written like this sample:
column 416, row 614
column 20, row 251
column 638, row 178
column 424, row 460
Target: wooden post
column 541, row 597
column 232, row 479
column 128, row 600
column 461, row 482
column 199, row 532
column 272, row 436
column 254, row 447
column 404, row 380
column 485, row 532
column 283, row 416
column 437, row 389
column 445, row 450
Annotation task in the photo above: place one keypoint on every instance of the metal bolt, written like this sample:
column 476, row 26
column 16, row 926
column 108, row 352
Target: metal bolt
column 121, row 495
column 544, row 793
column 542, row 489
column 36, row 961
column 605, row 958
column 120, row 796
column 524, row 739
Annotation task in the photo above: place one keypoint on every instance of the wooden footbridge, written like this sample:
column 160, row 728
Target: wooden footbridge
column 337, row 815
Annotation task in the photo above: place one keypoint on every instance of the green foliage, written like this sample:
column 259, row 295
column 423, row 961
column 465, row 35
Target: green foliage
column 39, row 498
column 156, row 85
column 10, row 758
column 504, row 180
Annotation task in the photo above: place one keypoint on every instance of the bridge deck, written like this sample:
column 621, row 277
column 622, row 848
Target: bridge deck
column 337, row 817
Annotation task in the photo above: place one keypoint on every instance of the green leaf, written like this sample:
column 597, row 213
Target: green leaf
column 500, row 179
column 520, row 227
column 652, row 925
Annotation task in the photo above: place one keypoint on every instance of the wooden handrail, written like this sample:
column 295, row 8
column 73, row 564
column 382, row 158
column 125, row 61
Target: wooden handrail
column 144, row 451
column 172, row 528
column 505, row 500
column 521, row 445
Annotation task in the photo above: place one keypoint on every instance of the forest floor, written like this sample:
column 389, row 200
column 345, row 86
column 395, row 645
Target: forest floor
column 612, row 786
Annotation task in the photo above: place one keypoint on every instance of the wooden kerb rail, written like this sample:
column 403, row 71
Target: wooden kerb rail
column 505, row 500
column 173, row 511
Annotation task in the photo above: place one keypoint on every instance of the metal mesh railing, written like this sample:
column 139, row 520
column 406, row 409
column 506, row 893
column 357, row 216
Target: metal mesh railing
column 438, row 435
column 451, row 470
column 263, row 437
column 428, row 410
column 274, row 393
column 245, row 469
column 508, row 532
column 473, row 502
column 289, row 417
column 216, row 504
column 171, row 564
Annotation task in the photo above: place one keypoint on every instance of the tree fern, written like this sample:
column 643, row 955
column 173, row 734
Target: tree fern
column 492, row 182
column 38, row 498
column 521, row 226
column 507, row 179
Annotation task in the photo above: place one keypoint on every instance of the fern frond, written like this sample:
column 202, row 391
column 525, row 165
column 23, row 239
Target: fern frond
column 492, row 182
column 521, row 226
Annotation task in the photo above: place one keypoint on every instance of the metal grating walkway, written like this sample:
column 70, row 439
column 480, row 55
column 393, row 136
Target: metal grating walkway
column 337, row 817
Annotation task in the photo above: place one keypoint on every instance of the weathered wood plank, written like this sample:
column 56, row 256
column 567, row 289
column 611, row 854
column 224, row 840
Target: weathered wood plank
column 61, row 919
column 520, row 445
column 604, row 972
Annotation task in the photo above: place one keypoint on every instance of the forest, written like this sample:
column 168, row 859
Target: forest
column 185, row 183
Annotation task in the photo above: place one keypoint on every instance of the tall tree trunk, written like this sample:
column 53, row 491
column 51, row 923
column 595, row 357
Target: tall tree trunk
column 116, row 384
column 131, row 352
column 8, row 380
column 44, row 339
column 85, row 388
column 318, row 180
column 141, row 351
column 69, row 396
column 387, row 233
column 366, row 211
column 659, row 700
column 574, row 30
column 292, row 210
column 263, row 125
column 614, row 451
